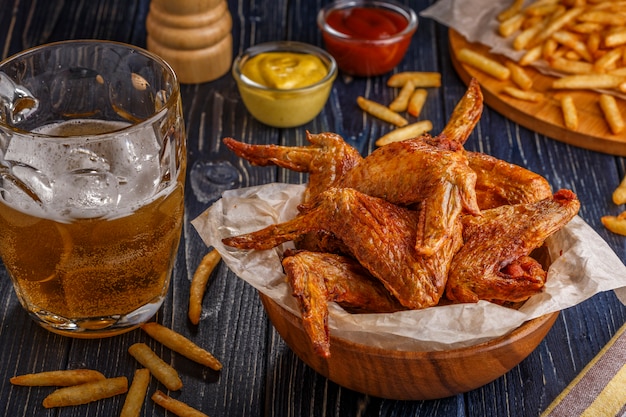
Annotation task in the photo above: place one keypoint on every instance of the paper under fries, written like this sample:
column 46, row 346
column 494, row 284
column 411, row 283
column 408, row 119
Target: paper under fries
column 177, row 407
column 407, row 132
column 62, row 378
column 381, row 112
column 86, row 393
column 136, row 393
column 199, row 282
column 180, row 344
column 167, row 375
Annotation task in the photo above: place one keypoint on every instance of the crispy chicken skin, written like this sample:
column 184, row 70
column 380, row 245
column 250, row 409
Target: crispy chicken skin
column 326, row 160
column 414, row 171
column 380, row 236
column 465, row 116
column 493, row 263
column 500, row 183
column 318, row 278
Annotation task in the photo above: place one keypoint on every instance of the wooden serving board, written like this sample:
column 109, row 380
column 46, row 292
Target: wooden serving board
column 544, row 117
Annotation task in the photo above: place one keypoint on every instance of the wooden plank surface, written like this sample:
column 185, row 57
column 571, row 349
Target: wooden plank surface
column 261, row 376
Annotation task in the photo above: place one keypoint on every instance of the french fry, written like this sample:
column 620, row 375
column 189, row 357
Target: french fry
column 511, row 11
column 381, row 112
column 401, row 102
column 554, row 25
column 180, row 344
column 613, row 117
column 616, row 38
column 483, row 63
column 166, row 374
column 61, row 378
column 519, row 76
column 616, row 224
column 570, row 113
column 86, row 393
column 573, row 42
column 588, row 81
column 526, row 95
column 417, row 101
column 177, row 407
column 199, row 282
column 619, row 194
column 508, row 27
column 407, row 132
column 606, row 61
column 136, row 393
column 571, row 67
column 603, row 17
column 420, row 79
column 531, row 55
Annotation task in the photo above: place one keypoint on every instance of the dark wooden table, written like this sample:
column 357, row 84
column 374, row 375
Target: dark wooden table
column 261, row 376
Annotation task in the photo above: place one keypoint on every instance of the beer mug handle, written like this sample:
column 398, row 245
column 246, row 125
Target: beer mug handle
column 16, row 102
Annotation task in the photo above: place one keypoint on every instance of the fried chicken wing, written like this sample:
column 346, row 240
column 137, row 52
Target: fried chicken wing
column 326, row 159
column 414, row 171
column 465, row 116
column 493, row 263
column 318, row 278
column 381, row 236
column 500, row 183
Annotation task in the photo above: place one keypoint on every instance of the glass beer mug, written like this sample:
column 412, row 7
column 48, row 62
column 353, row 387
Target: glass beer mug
column 92, row 172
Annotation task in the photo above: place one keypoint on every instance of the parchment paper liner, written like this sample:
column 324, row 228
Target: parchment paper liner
column 582, row 265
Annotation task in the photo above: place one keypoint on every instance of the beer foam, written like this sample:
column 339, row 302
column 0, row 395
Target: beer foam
column 108, row 172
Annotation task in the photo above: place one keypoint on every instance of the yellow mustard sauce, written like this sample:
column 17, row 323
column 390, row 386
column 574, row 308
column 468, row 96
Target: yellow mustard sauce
column 284, row 70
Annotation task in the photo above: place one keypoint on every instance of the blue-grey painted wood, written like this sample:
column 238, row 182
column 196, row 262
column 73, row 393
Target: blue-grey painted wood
column 261, row 376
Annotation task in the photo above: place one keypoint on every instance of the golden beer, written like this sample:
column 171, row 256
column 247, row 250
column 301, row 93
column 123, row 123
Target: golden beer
column 92, row 178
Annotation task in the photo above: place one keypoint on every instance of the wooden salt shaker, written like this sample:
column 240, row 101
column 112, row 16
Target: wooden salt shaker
column 193, row 36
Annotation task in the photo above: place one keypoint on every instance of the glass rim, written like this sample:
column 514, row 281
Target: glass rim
column 171, row 101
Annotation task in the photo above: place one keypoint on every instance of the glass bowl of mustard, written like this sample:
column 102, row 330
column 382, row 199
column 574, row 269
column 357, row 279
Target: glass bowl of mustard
column 367, row 37
column 284, row 83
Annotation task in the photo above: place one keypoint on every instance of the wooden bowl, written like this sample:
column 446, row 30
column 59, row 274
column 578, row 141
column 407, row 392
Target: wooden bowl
column 402, row 375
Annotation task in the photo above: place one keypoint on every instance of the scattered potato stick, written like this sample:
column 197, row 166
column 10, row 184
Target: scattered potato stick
column 616, row 224
column 381, row 112
column 166, row 374
column 613, row 117
column 136, row 393
column 61, row 378
column 199, row 282
column 526, row 95
column 177, row 407
column 588, row 81
column 180, row 344
column 417, row 101
column 483, row 63
column 401, row 102
column 619, row 195
column 407, row 132
column 420, row 79
column 87, row 392
column 570, row 113
column 519, row 76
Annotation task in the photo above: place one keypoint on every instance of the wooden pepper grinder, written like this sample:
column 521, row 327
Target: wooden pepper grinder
column 193, row 36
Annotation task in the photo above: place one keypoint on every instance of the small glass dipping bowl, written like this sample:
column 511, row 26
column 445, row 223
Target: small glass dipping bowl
column 356, row 53
column 284, row 107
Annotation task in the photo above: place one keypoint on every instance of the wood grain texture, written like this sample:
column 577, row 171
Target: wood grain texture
column 261, row 376
column 546, row 116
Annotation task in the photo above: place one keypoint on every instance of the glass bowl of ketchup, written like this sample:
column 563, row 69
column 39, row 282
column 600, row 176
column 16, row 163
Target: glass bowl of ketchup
column 367, row 37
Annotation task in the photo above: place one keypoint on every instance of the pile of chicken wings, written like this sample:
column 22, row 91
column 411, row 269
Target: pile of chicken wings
column 414, row 224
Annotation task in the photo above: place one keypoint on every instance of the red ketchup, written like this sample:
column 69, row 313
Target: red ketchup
column 367, row 40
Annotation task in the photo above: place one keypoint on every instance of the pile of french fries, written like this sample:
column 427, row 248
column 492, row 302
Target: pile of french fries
column 411, row 98
column 82, row 386
column 583, row 40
